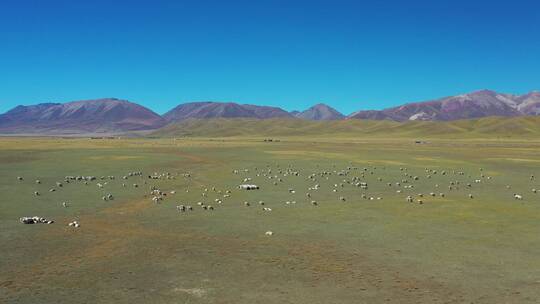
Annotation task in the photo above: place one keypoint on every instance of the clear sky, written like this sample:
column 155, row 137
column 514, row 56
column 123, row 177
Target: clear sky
column 349, row 54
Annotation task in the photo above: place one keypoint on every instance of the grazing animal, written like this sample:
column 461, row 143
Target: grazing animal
column 248, row 187
column 34, row 220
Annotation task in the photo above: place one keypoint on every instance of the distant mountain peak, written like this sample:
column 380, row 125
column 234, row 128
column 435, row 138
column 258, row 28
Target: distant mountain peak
column 320, row 111
column 320, row 104
column 483, row 92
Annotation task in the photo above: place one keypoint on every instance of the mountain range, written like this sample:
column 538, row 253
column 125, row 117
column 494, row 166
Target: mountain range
column 111, row 115
column 473, row 105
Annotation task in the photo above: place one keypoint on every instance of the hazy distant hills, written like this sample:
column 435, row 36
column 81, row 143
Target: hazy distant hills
column 86, row 116
column 473, row 105
column 112, row 115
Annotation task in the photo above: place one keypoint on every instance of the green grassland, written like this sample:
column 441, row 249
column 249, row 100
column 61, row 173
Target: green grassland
column 483, row 128
column 450, row 249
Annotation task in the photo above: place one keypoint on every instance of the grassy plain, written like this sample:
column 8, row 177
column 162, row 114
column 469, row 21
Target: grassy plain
column 450, row 249
column 499, row 128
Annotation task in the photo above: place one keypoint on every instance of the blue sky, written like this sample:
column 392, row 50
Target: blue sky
column 292, row 54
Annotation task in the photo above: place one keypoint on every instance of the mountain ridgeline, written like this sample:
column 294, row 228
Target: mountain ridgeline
column 204, row 110
column 115, row 116
column 473, row 105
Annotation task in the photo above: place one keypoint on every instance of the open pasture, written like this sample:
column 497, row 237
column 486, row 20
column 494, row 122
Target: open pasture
column 342, row 228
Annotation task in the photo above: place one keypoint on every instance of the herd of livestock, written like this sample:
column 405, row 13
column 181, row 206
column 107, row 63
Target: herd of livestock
column 331, row 181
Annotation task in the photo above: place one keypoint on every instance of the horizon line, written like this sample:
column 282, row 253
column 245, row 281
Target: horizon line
column 265, row 105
